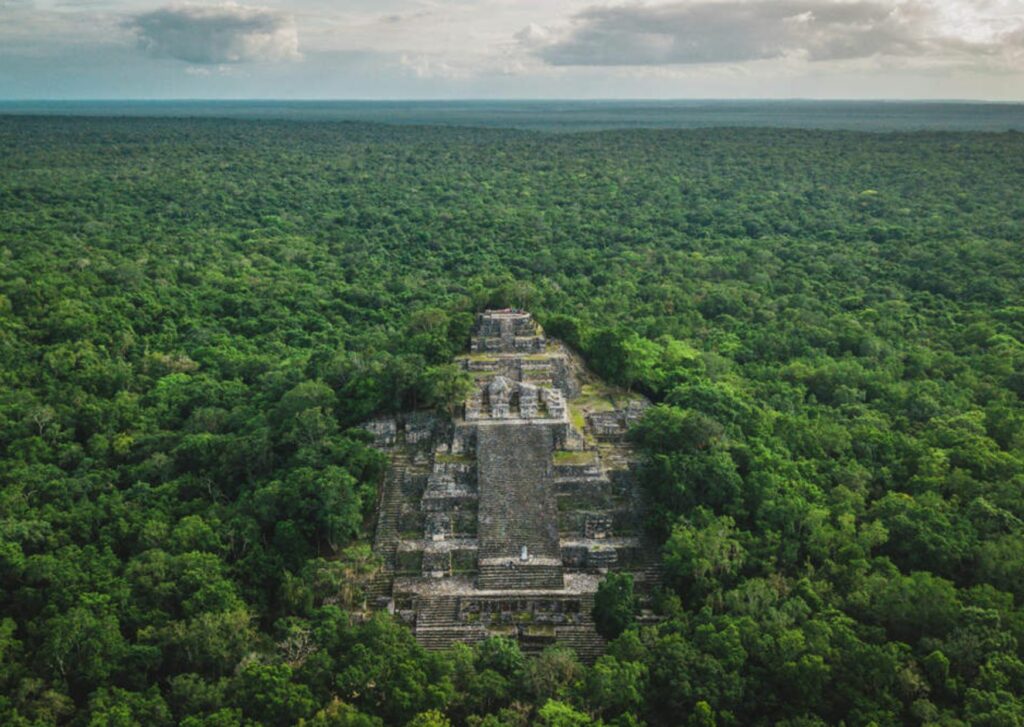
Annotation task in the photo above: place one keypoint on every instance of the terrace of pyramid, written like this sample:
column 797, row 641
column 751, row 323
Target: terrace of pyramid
column 503, row 519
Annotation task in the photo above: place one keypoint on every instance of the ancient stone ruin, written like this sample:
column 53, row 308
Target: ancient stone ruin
column 504, row 520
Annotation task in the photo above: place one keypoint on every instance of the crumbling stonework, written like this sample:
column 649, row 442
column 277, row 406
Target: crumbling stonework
column 504, row 520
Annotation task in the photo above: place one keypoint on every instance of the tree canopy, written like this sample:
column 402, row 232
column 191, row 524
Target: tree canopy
column 196, row 315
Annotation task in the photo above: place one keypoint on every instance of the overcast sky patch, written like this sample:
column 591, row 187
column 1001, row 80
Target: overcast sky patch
column 737, row 31
column 517, row 48
column 217, row 34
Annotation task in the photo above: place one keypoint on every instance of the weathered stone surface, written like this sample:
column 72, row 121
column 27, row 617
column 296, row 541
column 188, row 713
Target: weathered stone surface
column 518, row 511
column 503, row 520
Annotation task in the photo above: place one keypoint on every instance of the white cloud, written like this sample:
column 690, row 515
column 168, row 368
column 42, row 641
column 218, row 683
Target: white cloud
column 518, row 48
column 534, row 35
column 424, row 66
column 217, row 34
column 739, row 31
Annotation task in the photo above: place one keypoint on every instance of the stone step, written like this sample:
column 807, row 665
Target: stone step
column 437, row 611
column 386, row 535
column 586, row 642
column 379, row 587
column 499, row 577
column 435, row 639
column 651, row 574
column 497, row 552
column 517, row 506
column 534, row 645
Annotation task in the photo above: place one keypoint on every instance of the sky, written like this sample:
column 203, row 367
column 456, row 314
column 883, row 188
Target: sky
column 487, row 49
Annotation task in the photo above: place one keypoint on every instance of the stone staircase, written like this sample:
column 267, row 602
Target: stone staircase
column 501, row 577
column 583, row 638
column 533, row 644
column 378, row 590
column 586, row 642
column 434, row 611
column 649, row 574
column 386, row 535
column 437, row 623
column 508, row 336
column 517, row 507
column 444, row 638
column 438, row 627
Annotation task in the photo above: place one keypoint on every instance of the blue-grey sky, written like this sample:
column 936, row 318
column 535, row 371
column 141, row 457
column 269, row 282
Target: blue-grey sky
column 374, row 49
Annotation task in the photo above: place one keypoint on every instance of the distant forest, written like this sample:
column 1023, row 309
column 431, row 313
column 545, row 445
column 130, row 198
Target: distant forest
column 196, row 315
column 575, row 115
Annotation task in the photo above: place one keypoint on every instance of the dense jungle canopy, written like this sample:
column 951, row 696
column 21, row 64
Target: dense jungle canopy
column 196, row 315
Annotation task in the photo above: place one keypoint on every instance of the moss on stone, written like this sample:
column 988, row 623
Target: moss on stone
column 583, row 457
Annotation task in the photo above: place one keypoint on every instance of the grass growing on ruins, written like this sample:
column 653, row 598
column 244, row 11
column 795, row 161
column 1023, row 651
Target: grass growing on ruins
column 577, row 416
column 596, row 397
column 446, row 458
column 583, row 457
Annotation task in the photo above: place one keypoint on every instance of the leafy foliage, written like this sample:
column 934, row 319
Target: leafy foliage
column 195, row 315
column 614, row 604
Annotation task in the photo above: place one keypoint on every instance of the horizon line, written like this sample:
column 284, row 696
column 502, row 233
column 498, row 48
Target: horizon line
column 513, row 99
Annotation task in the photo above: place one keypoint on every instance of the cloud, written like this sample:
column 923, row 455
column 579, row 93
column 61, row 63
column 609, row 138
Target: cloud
column 534, row 36
column 422, row 65
column 396, row 18
column 736, row 31
column 217, row 34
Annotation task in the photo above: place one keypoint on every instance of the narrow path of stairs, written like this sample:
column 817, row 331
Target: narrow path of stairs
column 584, row 639
column 650, row 573
column 501, row 577
column 586, row 642
column 436, row 611
column 385, row 541
column 517, row 506
column 445, row 638
column 508, row 336
column 437, row 624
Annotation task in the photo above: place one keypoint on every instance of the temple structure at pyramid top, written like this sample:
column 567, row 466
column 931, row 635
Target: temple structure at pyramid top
column 508, row 330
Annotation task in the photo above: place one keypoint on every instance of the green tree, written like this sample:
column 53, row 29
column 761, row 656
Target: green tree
column 553, row 673
column 446, row 386
column 614, row 687
column 268, row 694
column 615, row 604
column 560, row 714
column 703, row 556
column 339, row 714
column 431, row 718
column 113, row 707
